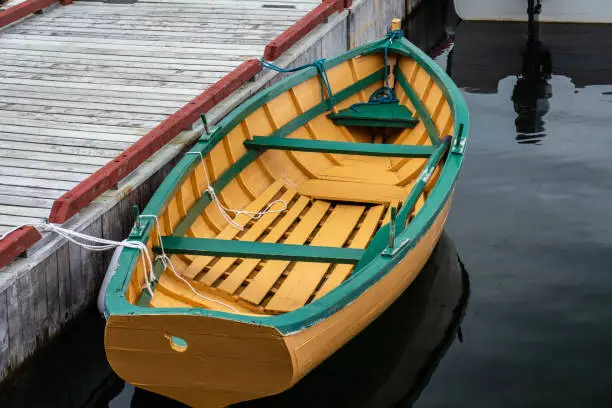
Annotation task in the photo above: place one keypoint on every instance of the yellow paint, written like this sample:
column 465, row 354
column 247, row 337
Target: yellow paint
column 333, row 200
column 226, row 362
column 298, row 177
column 305, row 276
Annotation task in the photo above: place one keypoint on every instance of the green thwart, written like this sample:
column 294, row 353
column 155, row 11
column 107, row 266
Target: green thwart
column 290, row 225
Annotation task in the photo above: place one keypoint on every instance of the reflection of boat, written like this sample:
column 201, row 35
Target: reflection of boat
column 395, row 355
column 248, row 305
column 578, row 11
column 423, row 322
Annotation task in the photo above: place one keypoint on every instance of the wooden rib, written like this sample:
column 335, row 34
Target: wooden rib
column 302, row 166
column 444, row 119
column 353, row 192
column 305, row 276
column 172, row 286
column 265, row 279
column 242, row 271
column 308, row 125
column 229, row 231
column 361, row 240
column 161, row 299
column 360, row 174
column 422, row 84
column 232, row 159
column 356, row 78
column 254, row 232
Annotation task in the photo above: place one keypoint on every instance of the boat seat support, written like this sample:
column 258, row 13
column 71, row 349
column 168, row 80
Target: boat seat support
column 325, row 146
column 258, row 250
column 391, row 115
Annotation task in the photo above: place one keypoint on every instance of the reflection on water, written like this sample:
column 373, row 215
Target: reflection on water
column 532, row 90
column 388, row 363
column 533, row 222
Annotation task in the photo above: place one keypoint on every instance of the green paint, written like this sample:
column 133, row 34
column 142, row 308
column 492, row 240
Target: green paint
column 422, row 111
column 258, row 250
column 322, row 107
column 196, row 209
column 424, row 177
column 391, row 115
column 324, row 146
column 373, row 265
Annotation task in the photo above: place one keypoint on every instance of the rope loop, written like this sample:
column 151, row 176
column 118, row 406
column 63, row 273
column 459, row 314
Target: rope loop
column 254, row 215
column 384, row 94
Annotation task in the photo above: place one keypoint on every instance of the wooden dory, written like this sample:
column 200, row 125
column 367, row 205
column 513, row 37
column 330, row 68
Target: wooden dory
column 249, row 312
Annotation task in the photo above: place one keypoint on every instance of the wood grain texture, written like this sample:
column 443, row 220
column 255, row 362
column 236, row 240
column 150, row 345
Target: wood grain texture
column 81, row 100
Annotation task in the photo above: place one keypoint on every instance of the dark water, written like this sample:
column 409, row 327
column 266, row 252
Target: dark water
column 386, row 365
column 532, row 219
column 531, row 222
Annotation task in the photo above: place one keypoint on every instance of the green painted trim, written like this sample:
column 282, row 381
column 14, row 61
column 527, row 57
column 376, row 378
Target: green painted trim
column 364, row 275
column 325, row 146
column 396, row 124
column 391, row 115
column 419, row 186
column 445, row 83
column 323, row 107
column 196, row 209
column 258, row 250
column 422, row 111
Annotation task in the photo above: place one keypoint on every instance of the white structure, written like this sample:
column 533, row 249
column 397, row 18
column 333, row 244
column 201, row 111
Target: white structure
column 583, row 11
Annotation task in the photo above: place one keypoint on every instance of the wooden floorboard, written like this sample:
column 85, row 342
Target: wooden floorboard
column 80, row 83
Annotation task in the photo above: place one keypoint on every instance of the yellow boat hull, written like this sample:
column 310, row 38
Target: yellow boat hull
column 227, row 362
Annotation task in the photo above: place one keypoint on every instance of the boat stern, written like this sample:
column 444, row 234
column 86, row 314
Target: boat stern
column 198, row 360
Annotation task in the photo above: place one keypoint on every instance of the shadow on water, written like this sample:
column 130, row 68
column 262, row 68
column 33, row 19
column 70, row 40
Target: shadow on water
column 388, row 363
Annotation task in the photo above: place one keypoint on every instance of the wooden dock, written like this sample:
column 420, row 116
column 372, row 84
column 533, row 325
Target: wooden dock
column 81, row 82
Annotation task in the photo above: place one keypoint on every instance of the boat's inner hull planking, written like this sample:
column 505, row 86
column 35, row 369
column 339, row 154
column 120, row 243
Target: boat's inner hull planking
column 334, row 197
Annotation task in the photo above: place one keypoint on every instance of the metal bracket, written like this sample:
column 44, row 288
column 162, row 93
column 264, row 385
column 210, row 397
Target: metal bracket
column 459, row 145
column 393, row 251
column 139, row 227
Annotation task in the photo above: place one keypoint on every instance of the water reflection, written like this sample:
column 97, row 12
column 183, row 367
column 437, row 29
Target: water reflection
column 532, row 90
column 530, row 59
column 388, row 363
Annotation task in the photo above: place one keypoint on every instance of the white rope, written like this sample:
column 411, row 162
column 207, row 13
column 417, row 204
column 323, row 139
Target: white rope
column 167, row 262
column 254, row 215
column 100, row 244
column 97, row 245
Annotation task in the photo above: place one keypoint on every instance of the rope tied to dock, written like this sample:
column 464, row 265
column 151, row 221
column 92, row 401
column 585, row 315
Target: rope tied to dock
column 97, row 244
column 254, row 215
column 321, row 71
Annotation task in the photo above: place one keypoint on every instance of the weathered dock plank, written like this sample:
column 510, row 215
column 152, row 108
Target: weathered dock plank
column 78, row 84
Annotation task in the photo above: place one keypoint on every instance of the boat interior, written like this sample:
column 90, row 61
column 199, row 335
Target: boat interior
column 315, row 178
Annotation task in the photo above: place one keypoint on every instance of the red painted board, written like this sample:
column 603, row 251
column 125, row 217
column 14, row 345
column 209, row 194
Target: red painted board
column 17, row 243
column 108, row 176
column 22, row 10
column 304, row 26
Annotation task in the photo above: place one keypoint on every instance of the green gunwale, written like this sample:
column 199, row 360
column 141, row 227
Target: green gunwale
column 365, row 275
